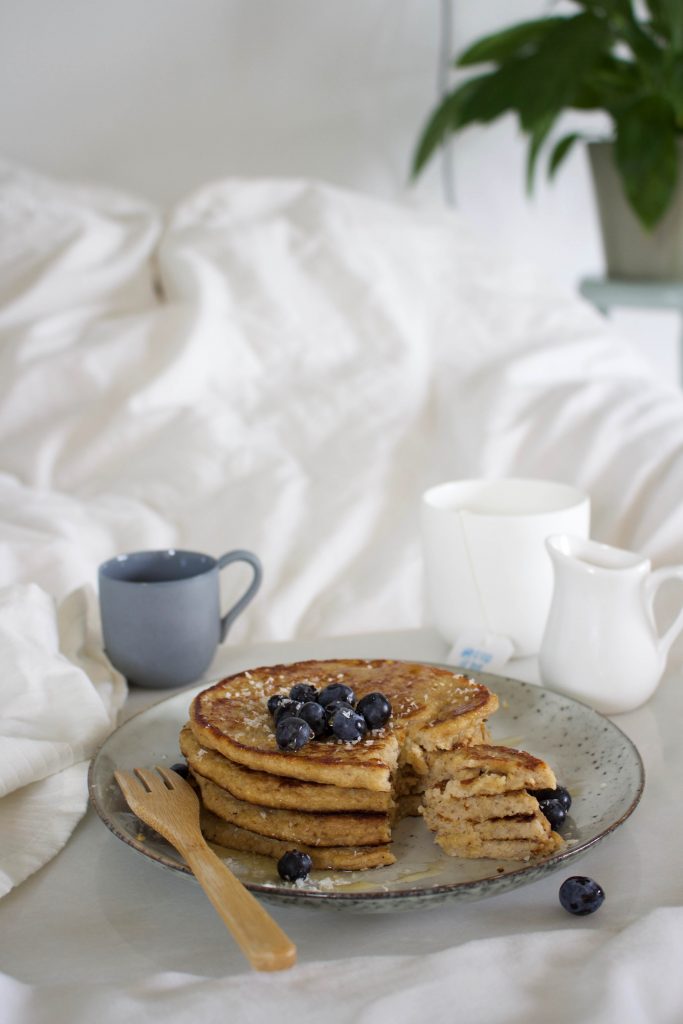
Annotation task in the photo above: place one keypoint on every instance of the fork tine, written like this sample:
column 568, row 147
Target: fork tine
column 148, row 779
column 126, row 780
column 170, row 778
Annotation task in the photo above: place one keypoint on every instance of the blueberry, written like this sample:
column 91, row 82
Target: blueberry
column 275, row 701
column 333, row 707
column 375, row 709
column 336, row 691
column 315, row 715
column 287, row 709
column 553, row 811
column 349, row 726
column 581, row 895
column 181, row 769
column 561, row 794
column 292, row 733
column 303, row 692
column 294, row 864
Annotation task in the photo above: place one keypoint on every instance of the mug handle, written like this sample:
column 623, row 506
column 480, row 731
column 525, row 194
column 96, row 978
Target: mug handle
column 255, row 563
column 653, row 583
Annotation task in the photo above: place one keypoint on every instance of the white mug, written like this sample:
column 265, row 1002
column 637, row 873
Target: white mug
column 487, row 569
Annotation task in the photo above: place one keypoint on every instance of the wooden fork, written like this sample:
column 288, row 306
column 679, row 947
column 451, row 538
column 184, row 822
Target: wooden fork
column 169, row 804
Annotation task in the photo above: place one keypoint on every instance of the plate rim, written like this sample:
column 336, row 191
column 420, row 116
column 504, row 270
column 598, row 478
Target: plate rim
column 292, row 894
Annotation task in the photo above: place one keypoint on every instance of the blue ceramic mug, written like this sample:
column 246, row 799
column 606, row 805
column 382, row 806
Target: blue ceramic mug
column 161, row 618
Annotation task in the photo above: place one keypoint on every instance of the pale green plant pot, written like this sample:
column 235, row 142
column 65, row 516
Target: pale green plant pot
column 631, row 252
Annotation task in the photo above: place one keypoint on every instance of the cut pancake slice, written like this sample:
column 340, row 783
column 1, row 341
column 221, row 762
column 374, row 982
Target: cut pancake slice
column 483, row 769
column 277, row 791
column 477, row 805
column 434, row 706
column 324, row 858
column 353, row 828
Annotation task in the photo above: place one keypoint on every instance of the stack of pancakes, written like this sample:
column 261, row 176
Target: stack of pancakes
column 336, row 801
column 478, row 804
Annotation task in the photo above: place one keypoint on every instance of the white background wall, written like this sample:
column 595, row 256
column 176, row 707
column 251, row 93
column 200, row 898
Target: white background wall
column 160, row 96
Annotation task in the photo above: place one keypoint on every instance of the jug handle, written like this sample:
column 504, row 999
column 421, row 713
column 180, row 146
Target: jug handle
column 652, row 585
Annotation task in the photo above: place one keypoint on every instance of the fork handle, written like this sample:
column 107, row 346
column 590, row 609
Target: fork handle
column 259, row 937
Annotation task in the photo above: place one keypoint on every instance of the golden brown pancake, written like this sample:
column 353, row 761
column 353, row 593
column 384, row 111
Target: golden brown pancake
column 488, row 769
column 342, row 858
column 433, row 706
column 353, row 828
column 276, row 790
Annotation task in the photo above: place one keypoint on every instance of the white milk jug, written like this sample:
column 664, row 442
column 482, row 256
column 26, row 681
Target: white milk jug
column 601, row 642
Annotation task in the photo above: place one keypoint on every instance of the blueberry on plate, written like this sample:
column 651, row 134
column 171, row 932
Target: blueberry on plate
column 181, row 769
column 375, row 709
column 294, row 865
column 303, row 692
column 348, row 725
column 581, row 895
column 560, row 793
column 292, row 733
column 287, row 709
column 336, row 691
column 316, row 717
column 554, row 811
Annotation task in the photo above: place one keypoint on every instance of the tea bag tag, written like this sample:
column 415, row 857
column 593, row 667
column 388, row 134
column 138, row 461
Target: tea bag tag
column 480, row 651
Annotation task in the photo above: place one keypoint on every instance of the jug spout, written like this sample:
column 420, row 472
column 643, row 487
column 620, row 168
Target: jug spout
column 592, row 557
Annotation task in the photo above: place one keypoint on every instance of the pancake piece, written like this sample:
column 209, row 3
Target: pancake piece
column 477, row 805
column 435, row 707
column 488, row 769
column 325, row 858
column 317, row 829
column 276, row 790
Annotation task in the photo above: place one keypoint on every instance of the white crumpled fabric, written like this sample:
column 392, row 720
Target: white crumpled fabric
column 594, row 977
column 59, row 698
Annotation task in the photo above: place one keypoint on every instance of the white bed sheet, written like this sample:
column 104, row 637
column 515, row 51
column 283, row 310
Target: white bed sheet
column 284, row 366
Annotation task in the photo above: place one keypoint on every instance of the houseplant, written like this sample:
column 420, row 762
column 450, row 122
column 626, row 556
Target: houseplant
column 612, row 56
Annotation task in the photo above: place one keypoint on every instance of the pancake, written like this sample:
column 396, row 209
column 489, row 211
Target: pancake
column 433, row 707
column 325, row 858
column 354, row 828
column 258, row 787
column 487, row 769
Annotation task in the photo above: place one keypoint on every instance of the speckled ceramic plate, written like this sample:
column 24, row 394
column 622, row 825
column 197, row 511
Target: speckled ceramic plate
column 590, row 755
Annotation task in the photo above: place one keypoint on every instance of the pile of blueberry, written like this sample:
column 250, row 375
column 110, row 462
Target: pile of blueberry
column 554, row 804
column 306, row 713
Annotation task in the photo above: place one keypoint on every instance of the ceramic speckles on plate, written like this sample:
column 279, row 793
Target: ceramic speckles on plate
column 589, row 754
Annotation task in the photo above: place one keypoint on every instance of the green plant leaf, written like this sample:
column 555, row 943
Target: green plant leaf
column 667, row 19
column 501, row 46
column 538, row 136
column 446, row 118
column 540, row 85
column 560, row 151
column 647, row 158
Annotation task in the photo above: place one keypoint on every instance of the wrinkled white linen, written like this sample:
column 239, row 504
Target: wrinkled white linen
column 285, row 366
column 595, row 977
column 58, row 700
